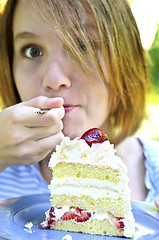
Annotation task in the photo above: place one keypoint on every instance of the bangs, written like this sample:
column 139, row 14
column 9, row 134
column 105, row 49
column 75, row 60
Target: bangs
column 70, row 19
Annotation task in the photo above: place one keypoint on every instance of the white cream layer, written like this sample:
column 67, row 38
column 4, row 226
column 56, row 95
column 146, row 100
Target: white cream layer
column 60, row 211
column 94, row 185
column 94, row 193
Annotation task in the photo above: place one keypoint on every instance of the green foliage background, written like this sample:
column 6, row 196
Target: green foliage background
column 154, row 65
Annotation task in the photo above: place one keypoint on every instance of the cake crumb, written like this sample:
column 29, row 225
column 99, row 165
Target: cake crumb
column 67, row 237
column 28, row 225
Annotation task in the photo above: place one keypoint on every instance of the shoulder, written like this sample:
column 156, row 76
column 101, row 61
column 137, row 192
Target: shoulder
column 130, row 148
column 131, row 152
column 138, row 147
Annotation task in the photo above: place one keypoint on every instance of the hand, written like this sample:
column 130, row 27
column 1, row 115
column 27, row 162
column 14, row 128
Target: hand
column 157, row 202
column 27, row 137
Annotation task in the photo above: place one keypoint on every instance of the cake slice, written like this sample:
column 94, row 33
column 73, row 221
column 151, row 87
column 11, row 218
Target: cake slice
column 89, row 188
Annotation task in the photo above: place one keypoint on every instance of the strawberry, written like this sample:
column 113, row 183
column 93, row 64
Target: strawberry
column 78, row 210
column 117, row 221
column 77, row 215
column 51, row 222
column 94, row 135
column 83, row 217
column 52, row 212
column 69, row 215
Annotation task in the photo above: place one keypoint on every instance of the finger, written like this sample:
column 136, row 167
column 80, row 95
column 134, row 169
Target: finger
column 28, row 116
column 38, row 133
column 52, row 117
column 48, row 143
column 40, row 156
column 43, row 102
column 28, row 153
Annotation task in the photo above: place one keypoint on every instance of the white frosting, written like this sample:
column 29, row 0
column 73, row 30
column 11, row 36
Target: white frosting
column 67, row 237
column 78, row 151
column 77, row 186
column 89, row 182
column 29, row 225
column 102, row 154
column 94, row 193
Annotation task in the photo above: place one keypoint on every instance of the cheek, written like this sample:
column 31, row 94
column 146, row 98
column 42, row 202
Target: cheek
column 99, row 100
column 101, row 97
column 27, row 81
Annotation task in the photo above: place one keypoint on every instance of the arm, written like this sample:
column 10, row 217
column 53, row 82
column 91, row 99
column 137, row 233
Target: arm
column 27, row 137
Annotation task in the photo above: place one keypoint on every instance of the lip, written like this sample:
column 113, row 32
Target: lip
column 69, row 108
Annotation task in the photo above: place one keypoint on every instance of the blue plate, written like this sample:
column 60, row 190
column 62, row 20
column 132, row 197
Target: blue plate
column 16, row 213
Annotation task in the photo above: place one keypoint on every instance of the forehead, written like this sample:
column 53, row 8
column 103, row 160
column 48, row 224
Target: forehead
column 67, row 14
column 66, row 10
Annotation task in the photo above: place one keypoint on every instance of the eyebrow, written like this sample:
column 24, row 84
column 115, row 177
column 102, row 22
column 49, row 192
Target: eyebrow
column 24, row 35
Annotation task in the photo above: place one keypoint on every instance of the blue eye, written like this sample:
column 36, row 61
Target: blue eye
column 32, row 52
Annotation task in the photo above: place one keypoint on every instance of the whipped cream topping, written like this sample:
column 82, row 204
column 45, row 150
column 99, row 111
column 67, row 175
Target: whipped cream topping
column 77, row 150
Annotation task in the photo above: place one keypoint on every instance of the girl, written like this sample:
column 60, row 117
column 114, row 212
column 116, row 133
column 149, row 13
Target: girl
column 83, row 62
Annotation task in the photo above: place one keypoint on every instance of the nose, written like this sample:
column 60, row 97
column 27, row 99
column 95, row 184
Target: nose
column 56, row 74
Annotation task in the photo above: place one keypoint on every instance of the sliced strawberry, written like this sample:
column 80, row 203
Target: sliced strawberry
column 69, row 215
column 78, row 210
column 117, row 221
column 76, row 214
column 94, row 135
column 83, row 217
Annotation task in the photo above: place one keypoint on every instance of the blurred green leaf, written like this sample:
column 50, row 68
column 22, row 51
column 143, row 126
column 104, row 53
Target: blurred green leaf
column 154, row 67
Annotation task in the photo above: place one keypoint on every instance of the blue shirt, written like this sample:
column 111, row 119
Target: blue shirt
column 151, row 152
column 16, row 181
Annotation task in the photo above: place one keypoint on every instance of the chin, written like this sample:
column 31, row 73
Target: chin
column 74, row 131
column 71, row 133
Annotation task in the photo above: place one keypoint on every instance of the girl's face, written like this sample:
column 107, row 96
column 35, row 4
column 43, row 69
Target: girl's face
column 42, row 66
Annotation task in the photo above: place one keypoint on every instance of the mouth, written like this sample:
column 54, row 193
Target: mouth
column 69, row 108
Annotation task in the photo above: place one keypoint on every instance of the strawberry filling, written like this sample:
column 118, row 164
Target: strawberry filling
column 78, row 215
column 117, row 221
